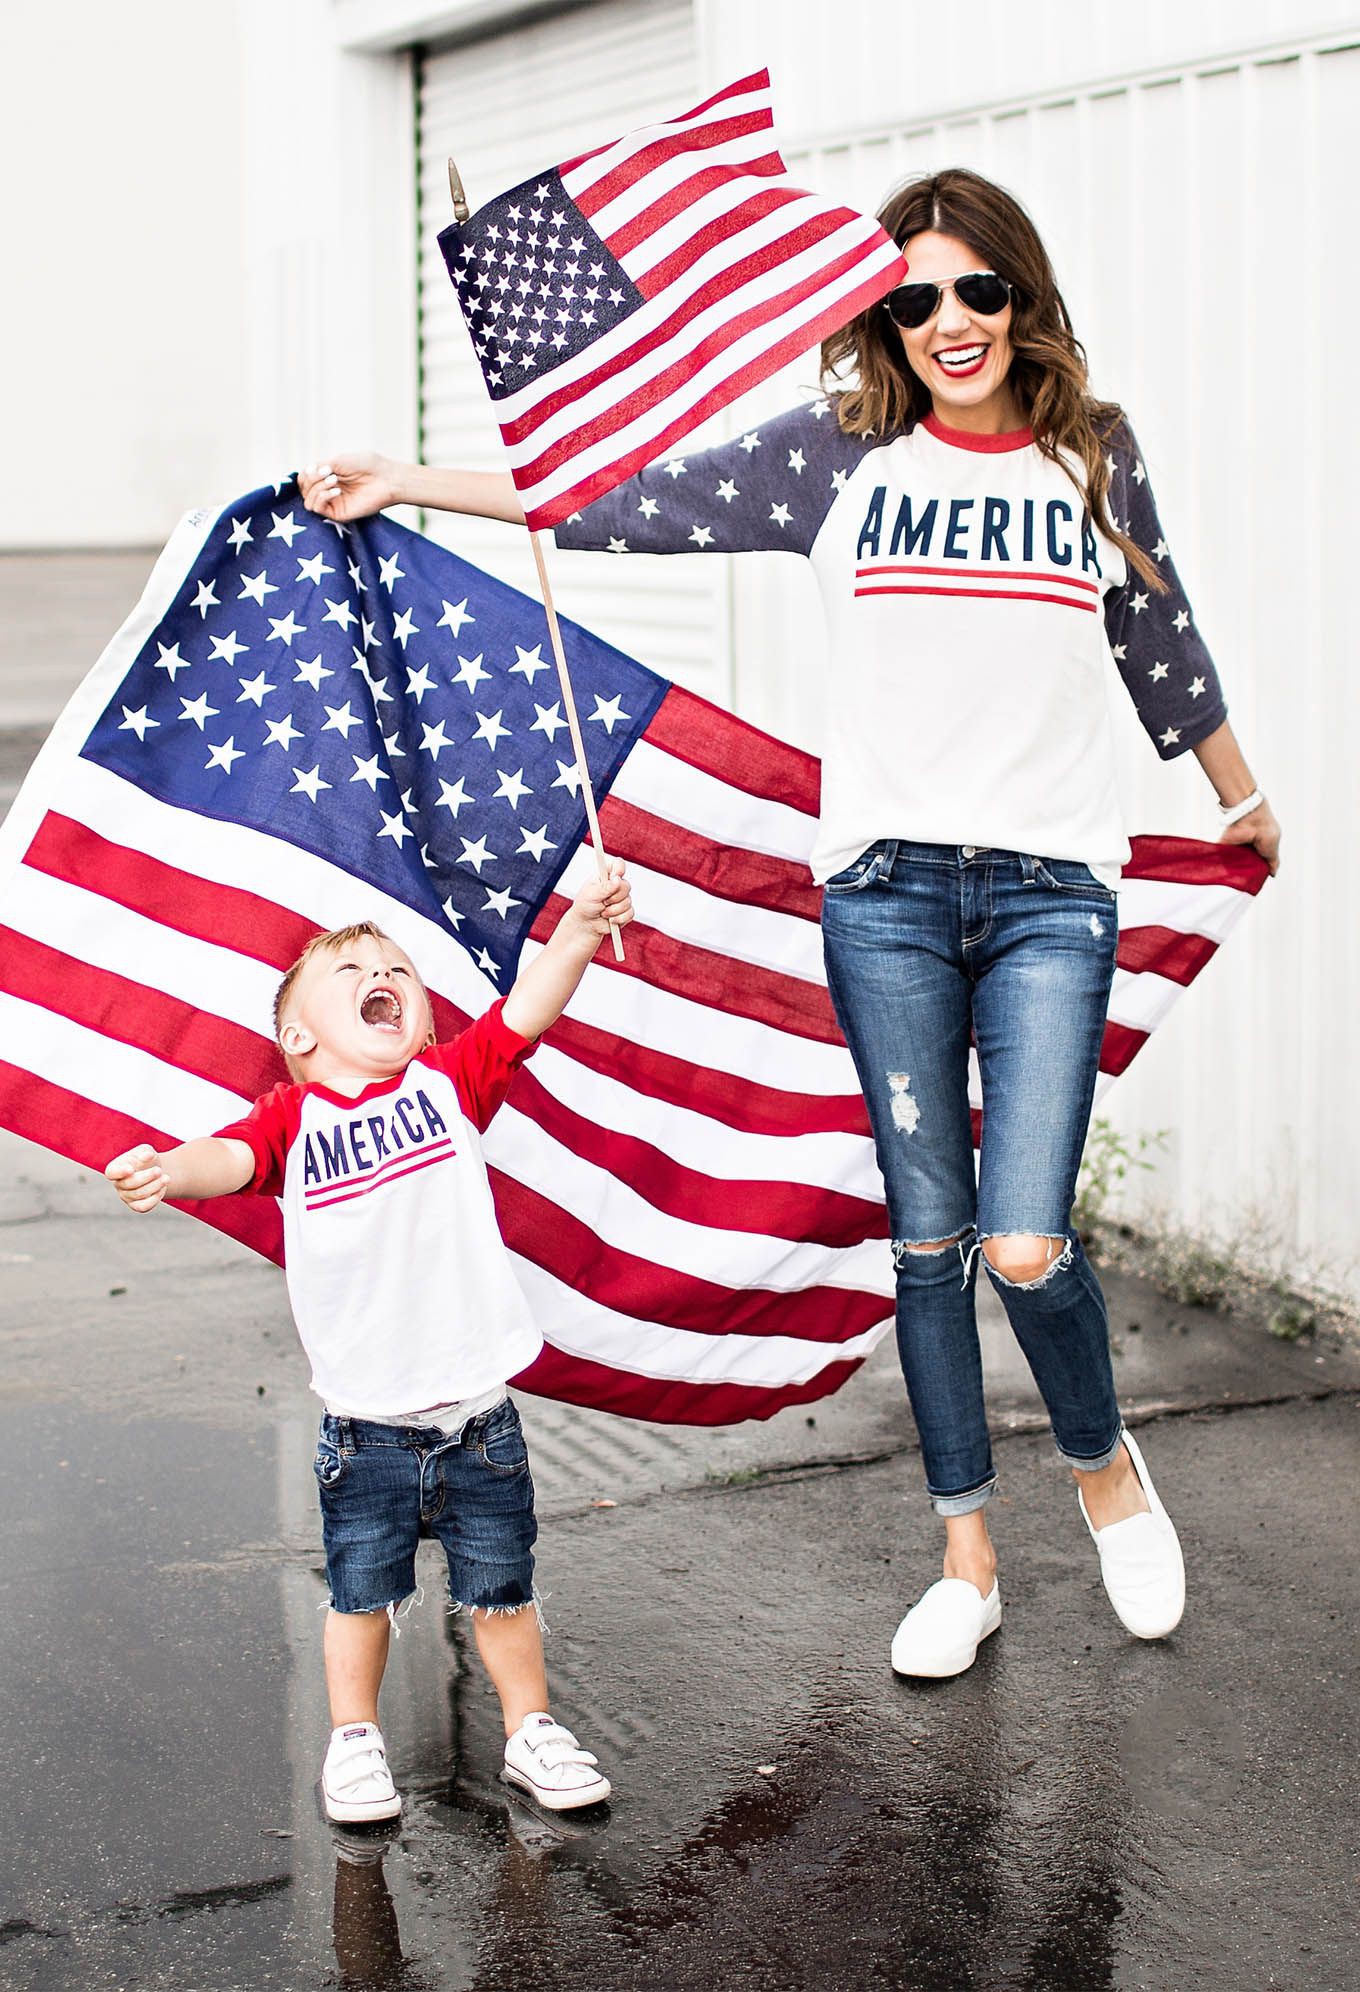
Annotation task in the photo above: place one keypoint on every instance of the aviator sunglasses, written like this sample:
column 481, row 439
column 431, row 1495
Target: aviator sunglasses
column 982, row 291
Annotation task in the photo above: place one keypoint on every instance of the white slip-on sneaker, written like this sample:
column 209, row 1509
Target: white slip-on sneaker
column 356, row 1785
column 1141, row 1563
column 546, row 1761
column 941, row 1633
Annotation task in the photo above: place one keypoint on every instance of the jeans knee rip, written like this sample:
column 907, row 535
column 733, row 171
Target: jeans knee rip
column 905, row 1250
column 1059, row 1264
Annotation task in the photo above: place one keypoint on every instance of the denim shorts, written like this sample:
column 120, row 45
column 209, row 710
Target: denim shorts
column 383, row 1487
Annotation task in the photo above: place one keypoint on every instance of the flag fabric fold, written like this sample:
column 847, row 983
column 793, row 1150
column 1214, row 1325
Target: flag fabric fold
column 303, row 725
column 620, row 299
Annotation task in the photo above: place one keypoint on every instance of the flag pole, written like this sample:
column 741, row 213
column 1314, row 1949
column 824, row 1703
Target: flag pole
column 461, row 213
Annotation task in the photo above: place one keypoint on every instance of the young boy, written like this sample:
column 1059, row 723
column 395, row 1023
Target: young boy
column 408, row 1307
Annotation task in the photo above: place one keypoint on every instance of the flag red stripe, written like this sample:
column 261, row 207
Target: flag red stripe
column 748, row 877
column 964, row 567
column 1187, row 861
column 551, row 1237
column 678, row 200
column 736, row 753
column 131, row 1013
column 92, row 1135
column 703, row 975
column 738, row 1103
column 226, row 915
column 745, row 86
column 653, row 393
column 679, row 144
column 773, row 1209
column 1118, row 1046
column 552, row 511
column 1179, row 957
column 575, row 1380
column 985, row 594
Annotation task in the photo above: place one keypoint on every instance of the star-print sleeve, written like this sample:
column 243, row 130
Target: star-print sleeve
column 1160, row 655
column 481, row 1061
column 767, row 492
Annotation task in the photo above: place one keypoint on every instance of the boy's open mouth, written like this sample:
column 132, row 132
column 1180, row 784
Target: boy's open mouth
column 382, row 1009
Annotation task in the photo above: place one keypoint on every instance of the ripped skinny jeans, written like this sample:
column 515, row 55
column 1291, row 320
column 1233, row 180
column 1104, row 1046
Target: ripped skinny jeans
column 929, row 947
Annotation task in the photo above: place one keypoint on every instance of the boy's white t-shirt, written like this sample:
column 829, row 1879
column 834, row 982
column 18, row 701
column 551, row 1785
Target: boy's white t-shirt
column 401, row 1286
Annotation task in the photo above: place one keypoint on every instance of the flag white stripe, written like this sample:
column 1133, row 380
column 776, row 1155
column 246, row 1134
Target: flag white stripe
column 594, row 1333
column 682, row 403
column 1209, row 910
column 752, row 934
column 580, row 179
column 1141, row 1000
column 621, row 1218
column 838, row 1162
column 665, row 785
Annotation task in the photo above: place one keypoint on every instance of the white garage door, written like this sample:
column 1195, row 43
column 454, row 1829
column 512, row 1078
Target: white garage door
column 505, row 107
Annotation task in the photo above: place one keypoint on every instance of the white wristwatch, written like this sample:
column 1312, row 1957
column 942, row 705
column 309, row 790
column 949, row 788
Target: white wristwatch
column 1241, row 809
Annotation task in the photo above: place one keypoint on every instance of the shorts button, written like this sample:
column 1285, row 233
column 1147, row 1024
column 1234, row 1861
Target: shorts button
column 970, row 850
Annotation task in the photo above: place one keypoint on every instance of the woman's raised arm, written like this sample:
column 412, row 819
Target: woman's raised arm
column 357, row 484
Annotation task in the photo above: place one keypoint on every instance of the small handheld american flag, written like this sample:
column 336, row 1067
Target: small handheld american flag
column 620, row 299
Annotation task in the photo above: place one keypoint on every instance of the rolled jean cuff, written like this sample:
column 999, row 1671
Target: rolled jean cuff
column 1101, row 1460
column 964, row 1504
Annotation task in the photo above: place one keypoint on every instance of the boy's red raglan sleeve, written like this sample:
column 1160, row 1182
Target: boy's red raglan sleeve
column 267, row 1130
column 481, row 1061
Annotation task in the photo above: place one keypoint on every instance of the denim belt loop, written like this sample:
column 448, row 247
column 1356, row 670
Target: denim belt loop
column 1028, row 866
column 888, row 857
column 345, row 1435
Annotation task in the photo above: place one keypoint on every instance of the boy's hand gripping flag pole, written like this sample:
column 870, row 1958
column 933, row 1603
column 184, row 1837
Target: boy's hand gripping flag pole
column 578, row 745
column 617, row 301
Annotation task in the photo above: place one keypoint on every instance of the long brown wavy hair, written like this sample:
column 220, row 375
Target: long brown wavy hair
column 1048, row 375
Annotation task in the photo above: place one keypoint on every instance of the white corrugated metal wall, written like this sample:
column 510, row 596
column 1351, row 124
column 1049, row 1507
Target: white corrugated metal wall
column 1199, row 221
column 1197, row 214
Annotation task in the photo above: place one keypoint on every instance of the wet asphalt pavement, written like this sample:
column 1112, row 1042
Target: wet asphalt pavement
column 1079, row 1811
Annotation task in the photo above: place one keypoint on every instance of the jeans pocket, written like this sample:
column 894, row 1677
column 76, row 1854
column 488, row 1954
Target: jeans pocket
column 1068, row 875
column 329, row 1463
column 857, row 876
column 501, row 1441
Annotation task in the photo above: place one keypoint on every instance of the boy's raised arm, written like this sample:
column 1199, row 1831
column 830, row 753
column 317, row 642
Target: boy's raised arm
column 543, row 990
column 207, row 1167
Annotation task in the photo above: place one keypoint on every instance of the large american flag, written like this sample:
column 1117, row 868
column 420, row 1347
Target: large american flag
column 618, row 300
column 304, row 725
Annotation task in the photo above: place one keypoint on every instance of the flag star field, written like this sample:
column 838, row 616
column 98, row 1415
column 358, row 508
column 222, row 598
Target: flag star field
column 317, row 684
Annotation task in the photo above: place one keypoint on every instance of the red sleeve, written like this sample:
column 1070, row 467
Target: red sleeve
column 268, row 1131
column 481, row 1061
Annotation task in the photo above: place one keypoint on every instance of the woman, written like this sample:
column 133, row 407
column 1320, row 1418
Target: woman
column 981, row 527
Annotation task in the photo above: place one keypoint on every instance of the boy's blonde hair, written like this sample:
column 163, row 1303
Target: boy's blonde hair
column 338, row 937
